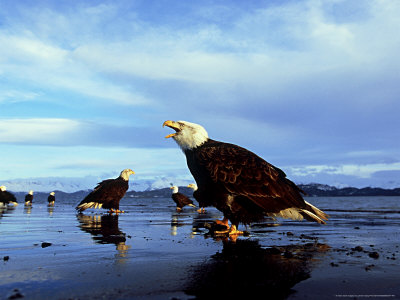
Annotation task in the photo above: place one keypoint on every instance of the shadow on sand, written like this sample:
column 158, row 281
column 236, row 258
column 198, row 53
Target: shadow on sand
column 244, row 269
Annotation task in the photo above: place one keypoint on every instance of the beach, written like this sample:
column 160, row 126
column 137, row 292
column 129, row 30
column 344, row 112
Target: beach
column 153, row 252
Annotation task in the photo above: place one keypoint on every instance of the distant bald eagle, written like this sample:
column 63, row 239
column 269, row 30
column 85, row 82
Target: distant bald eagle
column 242, row 185
column 29, row 198
column 180, row 199
column 107, row 193
column 6, row 197
column 51, row 199
column 201, row 206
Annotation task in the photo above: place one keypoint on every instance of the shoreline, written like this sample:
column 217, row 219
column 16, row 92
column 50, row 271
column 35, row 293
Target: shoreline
column 152, row 252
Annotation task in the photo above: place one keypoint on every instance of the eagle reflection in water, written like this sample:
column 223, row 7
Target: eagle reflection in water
column 104, row 230
column 245, row 269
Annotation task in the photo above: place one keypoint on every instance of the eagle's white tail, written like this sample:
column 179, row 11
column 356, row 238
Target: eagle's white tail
column 310, row 213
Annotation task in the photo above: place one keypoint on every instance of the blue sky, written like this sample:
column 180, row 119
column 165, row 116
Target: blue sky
column 311, row 86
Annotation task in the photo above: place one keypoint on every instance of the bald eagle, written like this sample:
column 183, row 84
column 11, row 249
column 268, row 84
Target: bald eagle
column 242, row 185
column 180, row 199
column 29, row 198
column 201, row 207
column 6, row 197
column 51, row 199
column 107, row 193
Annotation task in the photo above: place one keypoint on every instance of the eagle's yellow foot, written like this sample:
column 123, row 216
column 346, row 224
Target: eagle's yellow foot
column 116, row 211
column 178, row 209
column 222, row 232
column 234, row 231
column 223, row 222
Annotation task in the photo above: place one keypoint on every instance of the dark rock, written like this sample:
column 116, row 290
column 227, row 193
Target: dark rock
column 374, row 254
column 45, row 244
column 358, row 249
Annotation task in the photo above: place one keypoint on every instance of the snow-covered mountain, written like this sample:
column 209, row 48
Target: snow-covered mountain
column 70, row 184
column 137, row 183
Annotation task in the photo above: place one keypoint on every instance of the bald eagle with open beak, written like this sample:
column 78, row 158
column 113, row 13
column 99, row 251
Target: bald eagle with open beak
column 242, row 185
column 107, row 194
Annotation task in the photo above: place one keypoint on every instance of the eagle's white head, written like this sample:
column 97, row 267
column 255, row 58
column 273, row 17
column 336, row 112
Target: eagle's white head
column 187, row 135
column 52, row 193
column 192, row 186
column 30, row 192
column 174, row 189
column 126, row 173
column 3, row 188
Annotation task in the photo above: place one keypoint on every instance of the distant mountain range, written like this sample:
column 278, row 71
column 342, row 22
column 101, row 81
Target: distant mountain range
column 147, row 187
column 312, row 190
column 322, row 190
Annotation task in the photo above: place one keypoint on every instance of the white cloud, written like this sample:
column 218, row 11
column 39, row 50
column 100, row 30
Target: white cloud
column 360, row 171
column 25, row 161
column 35, row 130
column 17, row 96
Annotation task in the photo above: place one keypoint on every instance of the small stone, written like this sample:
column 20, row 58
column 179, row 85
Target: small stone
column 6, row 258
column 45, row 244
column 358, row 249
column 374, row 254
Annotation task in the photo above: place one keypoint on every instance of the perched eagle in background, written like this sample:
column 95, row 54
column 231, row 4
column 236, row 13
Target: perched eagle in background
column 180, row 199
column 51, row 199
column 242, row 185
column 6, row 197
column 29, row 198
column 194, row 187
column 107, row 193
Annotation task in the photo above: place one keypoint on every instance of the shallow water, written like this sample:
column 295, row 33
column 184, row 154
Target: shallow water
column 151, row 251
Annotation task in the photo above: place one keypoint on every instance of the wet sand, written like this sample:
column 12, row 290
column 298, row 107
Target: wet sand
column 153, row 252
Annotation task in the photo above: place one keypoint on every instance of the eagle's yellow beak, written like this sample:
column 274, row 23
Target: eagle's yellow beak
column 171, row 124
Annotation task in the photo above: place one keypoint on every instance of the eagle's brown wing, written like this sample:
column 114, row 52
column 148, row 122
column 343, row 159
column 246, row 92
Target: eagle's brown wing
column 243, row 173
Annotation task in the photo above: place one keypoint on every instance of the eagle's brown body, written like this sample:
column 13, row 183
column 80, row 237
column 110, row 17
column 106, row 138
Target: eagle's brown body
column 6, row 197
column 181, row 200
column 241, row 184
column 28, row 199
column 108, row 193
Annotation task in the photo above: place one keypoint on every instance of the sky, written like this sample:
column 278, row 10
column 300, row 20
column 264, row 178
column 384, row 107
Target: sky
column 311, row 86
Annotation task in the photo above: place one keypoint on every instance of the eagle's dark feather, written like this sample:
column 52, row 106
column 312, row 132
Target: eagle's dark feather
column 243, row 185
column 28, row 198
column 181, row 200
column 108, row 193
column 7, row 197
column 51, row 198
